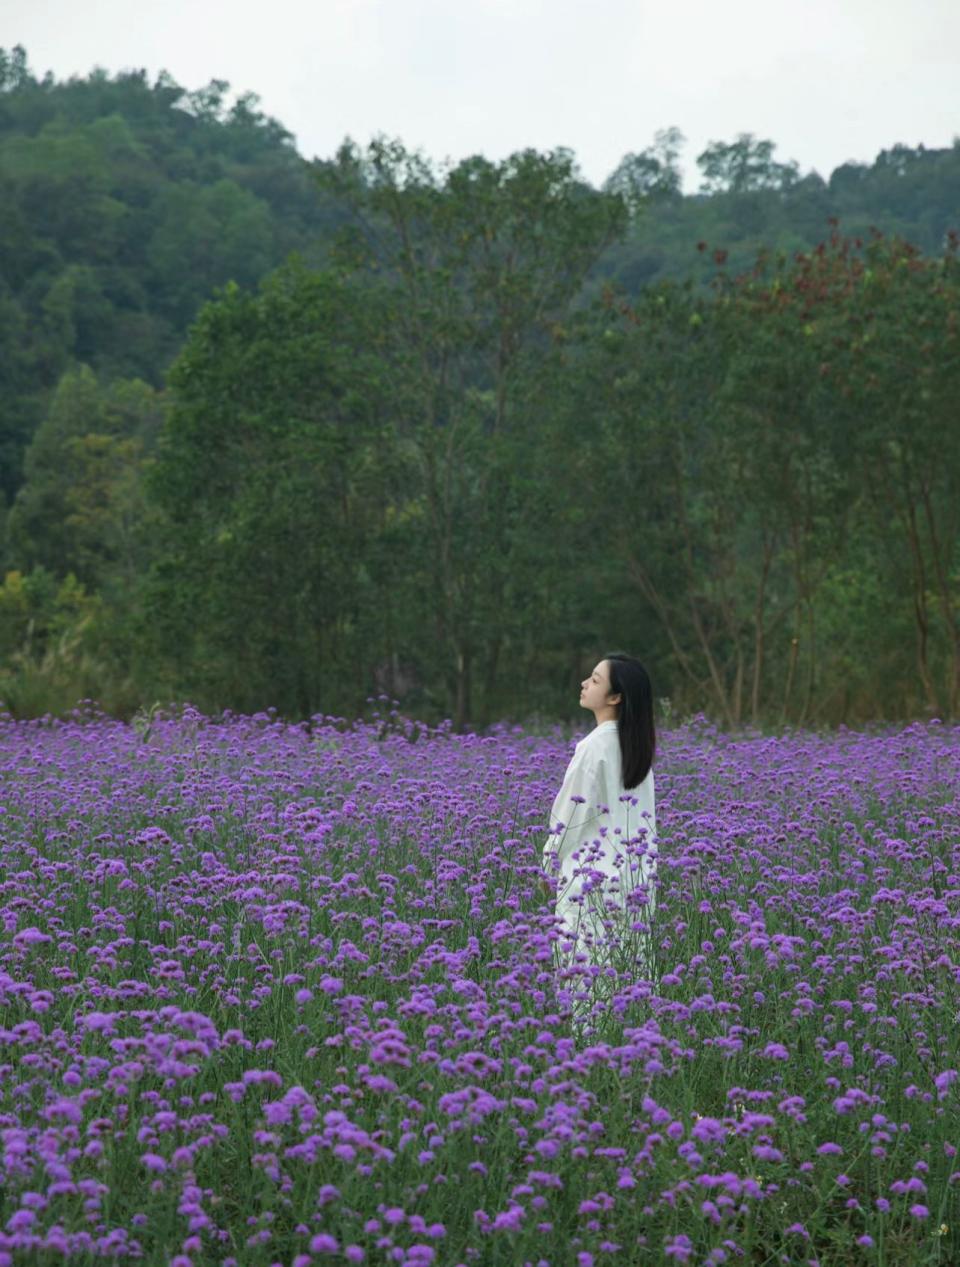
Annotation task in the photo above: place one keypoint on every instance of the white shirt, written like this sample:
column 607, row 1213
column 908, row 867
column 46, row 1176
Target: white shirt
column 607, row 814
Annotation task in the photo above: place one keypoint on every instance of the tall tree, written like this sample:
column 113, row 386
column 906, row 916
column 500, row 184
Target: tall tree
column 894, row 357
column 743, row 166
column 651, row 174
column 486, row 259
column 81, row 506
column 269, row 480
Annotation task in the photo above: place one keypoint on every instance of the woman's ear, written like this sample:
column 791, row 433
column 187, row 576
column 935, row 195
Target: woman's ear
column 614, row 699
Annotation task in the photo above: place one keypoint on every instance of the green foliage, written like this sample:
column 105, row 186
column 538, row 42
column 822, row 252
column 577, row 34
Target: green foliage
column 650, row 175
column 756, row 202
column 81, row 509
column 742, row 166
column 123, row 204
column 267, row 480
column 795, row 439
column 207, row 236
column 48, row 646
column 36, row 610
column 484, row 263
column 484, row 422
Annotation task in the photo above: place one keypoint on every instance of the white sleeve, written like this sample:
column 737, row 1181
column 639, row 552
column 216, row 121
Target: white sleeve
column 575, row 817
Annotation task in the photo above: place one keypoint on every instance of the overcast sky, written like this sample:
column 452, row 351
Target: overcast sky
column 827, row 80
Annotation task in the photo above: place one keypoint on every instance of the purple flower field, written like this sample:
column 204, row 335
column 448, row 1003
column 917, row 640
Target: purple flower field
column 287, row 994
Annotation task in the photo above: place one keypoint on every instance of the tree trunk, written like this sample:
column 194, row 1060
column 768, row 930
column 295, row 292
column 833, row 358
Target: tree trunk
column 945, row 597
column 791, row 669
column 463, row 708
column 758, row 641
column 656, row 601
column 921, row 615
column 490, row 677
column 716, row 677
column 811, row 663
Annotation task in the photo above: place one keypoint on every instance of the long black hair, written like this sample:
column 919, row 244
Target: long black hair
column 638, row 740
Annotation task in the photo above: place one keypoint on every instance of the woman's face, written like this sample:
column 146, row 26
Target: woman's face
column 595, row 688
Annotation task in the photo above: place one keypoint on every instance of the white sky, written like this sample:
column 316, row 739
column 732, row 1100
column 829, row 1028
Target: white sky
column 827, row 80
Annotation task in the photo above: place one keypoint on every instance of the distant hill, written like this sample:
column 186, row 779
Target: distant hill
column 759, row 204
column 125, row 203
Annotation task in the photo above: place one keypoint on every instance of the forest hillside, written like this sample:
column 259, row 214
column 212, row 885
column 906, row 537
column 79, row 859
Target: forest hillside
column 288, row 432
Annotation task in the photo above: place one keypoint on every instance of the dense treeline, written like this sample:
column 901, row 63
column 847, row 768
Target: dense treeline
column 750, row 201
column 123, row 205
column 482, row 423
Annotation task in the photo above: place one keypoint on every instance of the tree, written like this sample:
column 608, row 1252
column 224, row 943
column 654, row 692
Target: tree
column 670, row 489
column 80, row 508
column 207, row 237
column 16, row 422
column 653, row 173
column 123, row 204
column 895, row 360
column 269, row 484
column 743, row 166
column 14, row 70
column 485, row 260
column 794, row 448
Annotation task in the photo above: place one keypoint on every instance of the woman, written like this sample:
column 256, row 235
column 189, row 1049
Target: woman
column 601, row 849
